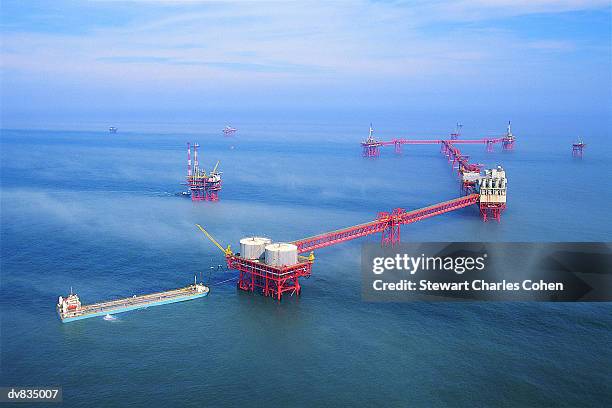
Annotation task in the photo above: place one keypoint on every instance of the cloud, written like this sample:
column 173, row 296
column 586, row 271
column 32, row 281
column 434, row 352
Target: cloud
column 551, row 45
column 481, row 10
column 165, row 222
column 223, row 65
column 257, row 53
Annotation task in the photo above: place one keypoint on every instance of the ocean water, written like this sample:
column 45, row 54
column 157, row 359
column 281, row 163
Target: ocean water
column 98, row 212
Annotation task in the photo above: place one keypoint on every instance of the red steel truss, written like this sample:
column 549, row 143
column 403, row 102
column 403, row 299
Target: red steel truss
column 204, row 188
column 492, row 210
column 458, row 160
column 371, row 149
column 371, row 146
column 270, row 280
column 274, row 281
column 388, row 224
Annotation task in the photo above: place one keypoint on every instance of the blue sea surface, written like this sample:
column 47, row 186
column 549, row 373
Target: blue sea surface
column 98, row 212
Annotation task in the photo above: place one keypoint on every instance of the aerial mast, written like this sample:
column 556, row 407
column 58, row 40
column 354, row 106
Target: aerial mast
column 196, row 165
column 188, row 159
column 370, row 135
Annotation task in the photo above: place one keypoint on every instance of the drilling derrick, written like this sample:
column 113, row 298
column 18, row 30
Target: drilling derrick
column 371, row 147
column 509, row 139
column 202, row 186
column 492, row 190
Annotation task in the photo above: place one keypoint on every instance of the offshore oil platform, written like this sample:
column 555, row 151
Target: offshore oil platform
column 275, row 268
column 229, row 131
column 201, row 186
column 577, row 148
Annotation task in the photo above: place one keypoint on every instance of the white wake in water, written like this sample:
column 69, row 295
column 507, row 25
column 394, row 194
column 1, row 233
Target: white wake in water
column 110, row 318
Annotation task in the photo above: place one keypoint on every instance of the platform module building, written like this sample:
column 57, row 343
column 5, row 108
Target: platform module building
column 469, row 180
column 492, row 190
column 202, row 186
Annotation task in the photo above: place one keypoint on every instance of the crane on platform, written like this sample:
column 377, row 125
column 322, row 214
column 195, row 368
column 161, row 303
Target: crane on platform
column 226, row 251
column 214, row 170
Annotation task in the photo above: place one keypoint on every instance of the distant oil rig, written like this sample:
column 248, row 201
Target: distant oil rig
column 229, row 131
column 275, row 268
column 577, row 148
column 202, row 186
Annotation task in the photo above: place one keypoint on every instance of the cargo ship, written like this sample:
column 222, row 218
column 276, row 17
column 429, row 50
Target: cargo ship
column 69, row 308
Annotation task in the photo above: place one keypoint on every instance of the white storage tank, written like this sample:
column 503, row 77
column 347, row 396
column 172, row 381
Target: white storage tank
column 253, row 247
column 280, row 254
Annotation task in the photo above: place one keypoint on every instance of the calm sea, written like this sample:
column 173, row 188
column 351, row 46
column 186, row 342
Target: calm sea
column 98, row 212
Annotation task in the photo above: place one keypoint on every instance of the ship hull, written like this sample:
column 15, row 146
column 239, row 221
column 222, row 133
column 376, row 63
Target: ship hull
column 127, row 308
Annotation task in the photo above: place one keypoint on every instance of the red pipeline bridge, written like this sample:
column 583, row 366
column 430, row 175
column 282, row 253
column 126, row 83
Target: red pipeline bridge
column 274, row 281
column 387, row 223
column 469, row 172
column 371, row 148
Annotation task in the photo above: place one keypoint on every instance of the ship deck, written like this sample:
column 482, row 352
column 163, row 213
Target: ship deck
column 134, row 302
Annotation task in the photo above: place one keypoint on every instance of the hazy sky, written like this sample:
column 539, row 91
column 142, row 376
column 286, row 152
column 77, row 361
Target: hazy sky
column 165, row 59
